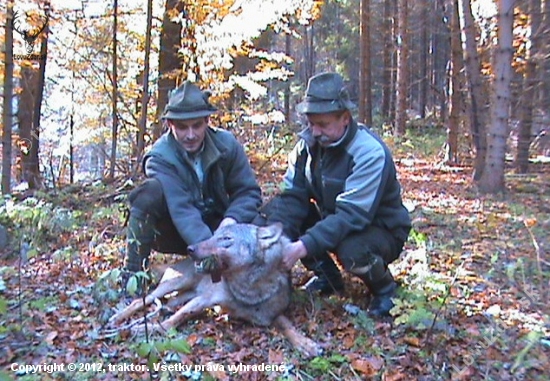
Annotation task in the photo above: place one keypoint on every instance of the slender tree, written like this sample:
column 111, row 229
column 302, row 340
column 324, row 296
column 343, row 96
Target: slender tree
column 7, row 110
column 492, row 179
column 451, row 154
column 545, row 52
column 365, row 85
column 530, row 85
column 475, row 85
column 170, row 64
column 286, row 100
column 388, row 52
column 142, row 126
column 423, row 62
column 402, row 68
column 114, row 96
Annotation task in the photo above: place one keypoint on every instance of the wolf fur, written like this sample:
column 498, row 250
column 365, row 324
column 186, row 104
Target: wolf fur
column 239, row 269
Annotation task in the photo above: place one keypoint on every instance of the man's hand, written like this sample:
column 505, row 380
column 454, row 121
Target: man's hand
column 293, row 252
column 227, row 221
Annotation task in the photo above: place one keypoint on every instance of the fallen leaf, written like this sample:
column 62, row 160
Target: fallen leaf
column 414, row 341
column 368, row 365
column 51, row 336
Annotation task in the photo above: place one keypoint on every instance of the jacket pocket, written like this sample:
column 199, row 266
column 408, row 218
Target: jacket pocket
column 332, row 187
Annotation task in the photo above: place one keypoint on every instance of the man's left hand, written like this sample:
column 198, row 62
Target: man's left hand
column 293, row 252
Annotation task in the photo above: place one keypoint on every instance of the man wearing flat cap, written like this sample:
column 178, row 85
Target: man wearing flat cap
column 341, row 195
column 198, row 179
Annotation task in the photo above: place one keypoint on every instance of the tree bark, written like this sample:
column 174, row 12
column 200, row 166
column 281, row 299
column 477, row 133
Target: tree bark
column 365, row 85
column 114, row 96
column 475, row 85
column 286, row 101
column 402, row 68
column 7, row 107
column 530, row 85
column 387, row 59
column 492, row 179
column 142, row 126
column 170, row 64
column 451, row 154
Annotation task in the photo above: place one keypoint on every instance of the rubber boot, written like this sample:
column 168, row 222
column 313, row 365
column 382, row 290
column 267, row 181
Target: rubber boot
column 382, row 287
column 327, row 279
column 139, row 239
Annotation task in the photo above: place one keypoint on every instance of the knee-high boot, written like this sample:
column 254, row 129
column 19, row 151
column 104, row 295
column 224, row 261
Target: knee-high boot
column 139, row 240
column 382, row 287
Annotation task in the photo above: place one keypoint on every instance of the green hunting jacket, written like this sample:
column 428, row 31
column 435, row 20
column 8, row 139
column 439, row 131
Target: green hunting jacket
column 228, row 189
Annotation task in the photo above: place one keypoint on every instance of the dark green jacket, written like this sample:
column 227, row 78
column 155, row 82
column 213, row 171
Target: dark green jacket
column 229, row 188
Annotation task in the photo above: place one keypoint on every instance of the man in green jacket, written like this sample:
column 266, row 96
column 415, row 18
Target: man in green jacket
column 341, row 195
column 198, row 179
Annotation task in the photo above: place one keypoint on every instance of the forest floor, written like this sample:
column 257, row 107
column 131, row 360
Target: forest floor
column 474, row 302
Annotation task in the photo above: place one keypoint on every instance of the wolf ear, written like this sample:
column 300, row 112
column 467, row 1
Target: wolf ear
column 268, row 235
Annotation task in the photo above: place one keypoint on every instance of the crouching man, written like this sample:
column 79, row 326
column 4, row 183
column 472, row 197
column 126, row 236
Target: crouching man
column 198, row 179
column 341, row 195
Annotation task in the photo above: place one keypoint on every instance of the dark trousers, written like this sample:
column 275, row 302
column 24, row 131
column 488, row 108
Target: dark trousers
column 357, row 253
column 147, row 203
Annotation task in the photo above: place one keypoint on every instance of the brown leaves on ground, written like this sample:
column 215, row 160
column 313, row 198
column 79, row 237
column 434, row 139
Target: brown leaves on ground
column 489, row 254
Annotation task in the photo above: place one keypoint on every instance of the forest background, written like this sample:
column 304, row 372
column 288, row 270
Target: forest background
column 458, row 89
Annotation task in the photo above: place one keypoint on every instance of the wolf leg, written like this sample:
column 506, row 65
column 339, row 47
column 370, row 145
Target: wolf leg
column 302, row 343
column 164, row 288
column 191, row 308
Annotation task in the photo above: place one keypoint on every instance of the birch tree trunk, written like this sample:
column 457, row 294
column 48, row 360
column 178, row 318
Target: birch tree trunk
column 492, row 178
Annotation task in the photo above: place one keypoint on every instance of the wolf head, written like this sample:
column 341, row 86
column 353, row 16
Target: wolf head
column 236, row 247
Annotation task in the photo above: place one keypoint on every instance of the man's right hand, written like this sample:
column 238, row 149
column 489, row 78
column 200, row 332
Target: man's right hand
column 293, row 252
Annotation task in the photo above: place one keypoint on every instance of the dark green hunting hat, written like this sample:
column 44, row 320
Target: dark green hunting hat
column 325, row 93
column 188, row 102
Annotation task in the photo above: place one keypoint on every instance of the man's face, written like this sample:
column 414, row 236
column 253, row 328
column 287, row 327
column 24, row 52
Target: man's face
column 328, row 128
column 189, row 132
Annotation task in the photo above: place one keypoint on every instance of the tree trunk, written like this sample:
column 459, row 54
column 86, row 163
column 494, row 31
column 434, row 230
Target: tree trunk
column 365, row 85
column 387, row 58
column 288, row 52
column 402, row 68
column 545, row 52
column 7, row 107
column 475, row 85
column 142, row 126
column 530, row 85
column 170, row 64
column 492, row 179
column 36, row 181
column 25, row 115
column 451, row 154
column 309, row 52
column 114, row 96
column 424, row 54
